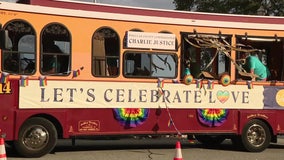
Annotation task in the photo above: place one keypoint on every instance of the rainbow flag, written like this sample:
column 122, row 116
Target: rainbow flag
column 76, row 73
column 210, row 84
column 42, row 81
column 4, row 77
column 250, row 84
column 24, row 81
column 160, row 83
column 198, row 83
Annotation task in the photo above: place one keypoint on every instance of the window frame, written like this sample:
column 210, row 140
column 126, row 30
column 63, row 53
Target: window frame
column 173, row 54
column 56, row 54
column 19, row 61
column 109, row 65
column 198, row 55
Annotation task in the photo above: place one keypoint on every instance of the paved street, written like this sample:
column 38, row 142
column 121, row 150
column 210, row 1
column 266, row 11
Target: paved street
column 152, row 149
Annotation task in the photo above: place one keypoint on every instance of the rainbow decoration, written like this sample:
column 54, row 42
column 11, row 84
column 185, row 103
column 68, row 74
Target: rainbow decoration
column 131, row 117
column 175, row 81
column 225, row 80
column 160, row 87
column 160, row 92
column 4, row 77
column 160, row 83
column 199, row 83
column 42, row 81
column 76, row 73
column 210, row 84
column 24, row 81
column 250, row 84
column 212, row 117
column 188, row 79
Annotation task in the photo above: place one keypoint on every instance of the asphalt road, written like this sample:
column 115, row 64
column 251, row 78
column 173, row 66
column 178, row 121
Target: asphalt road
column 151, row 149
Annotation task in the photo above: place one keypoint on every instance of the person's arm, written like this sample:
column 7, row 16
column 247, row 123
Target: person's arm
column 252, row 72
column 252, row 67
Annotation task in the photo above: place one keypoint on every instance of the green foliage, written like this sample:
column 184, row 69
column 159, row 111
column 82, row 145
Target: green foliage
column 246, row 7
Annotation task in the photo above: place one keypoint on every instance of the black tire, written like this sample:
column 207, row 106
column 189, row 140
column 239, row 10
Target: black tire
column 10, row 143
column 210, row 140
column 256, row 136
column 37, row 137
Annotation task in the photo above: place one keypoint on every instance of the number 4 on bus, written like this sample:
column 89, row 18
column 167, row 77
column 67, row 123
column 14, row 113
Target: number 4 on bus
column 5, row 88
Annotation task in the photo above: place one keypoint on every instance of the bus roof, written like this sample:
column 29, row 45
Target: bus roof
column 89, row 6
column 116, row 12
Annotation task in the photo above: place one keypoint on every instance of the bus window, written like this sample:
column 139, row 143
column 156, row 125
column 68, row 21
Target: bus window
column 266, row 49
column 105, row 53
column 200, row 57
column 155, row 65
column 20, row 58
column 55, row 55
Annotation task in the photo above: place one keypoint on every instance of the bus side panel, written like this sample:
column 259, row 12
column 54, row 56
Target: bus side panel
column 8, row 103
column 280, row 122
column 159, row 121
column 226, row 123
column 56, row 116
column 268, row 116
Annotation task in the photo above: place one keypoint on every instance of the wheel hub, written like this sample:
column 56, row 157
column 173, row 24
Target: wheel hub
column 36, row 138
column 256, row 135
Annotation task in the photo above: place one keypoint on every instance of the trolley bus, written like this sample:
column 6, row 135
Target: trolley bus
column 73, row 69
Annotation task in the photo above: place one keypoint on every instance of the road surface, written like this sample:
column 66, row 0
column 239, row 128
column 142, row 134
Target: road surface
column 151, row 149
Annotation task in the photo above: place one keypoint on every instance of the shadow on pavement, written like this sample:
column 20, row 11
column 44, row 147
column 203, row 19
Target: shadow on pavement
column 126, row 144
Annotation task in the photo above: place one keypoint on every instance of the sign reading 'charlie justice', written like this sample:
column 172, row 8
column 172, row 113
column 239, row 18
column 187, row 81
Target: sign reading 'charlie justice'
column 78, row 94
column 149, row 40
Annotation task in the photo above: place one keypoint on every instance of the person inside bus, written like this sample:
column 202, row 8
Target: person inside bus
column 254, row 66
column 50, row 62
column 11, row 63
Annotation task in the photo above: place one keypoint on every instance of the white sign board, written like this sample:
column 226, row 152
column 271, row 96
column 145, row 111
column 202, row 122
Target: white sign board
column 92, row 94
column 148, row 40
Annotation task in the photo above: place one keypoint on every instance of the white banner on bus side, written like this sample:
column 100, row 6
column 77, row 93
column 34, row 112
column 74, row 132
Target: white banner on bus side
column 82, row 94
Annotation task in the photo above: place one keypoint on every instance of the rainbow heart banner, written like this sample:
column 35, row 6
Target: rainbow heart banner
column 223, row 96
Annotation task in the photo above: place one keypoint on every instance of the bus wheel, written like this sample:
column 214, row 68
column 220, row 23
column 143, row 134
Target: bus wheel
column 256, row 136
column 37, row 137
column 210, row 140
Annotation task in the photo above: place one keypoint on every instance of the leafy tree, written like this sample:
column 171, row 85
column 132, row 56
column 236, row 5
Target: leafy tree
column 247, row 7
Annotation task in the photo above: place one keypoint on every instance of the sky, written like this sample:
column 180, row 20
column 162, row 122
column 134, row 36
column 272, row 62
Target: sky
column 160, row 4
